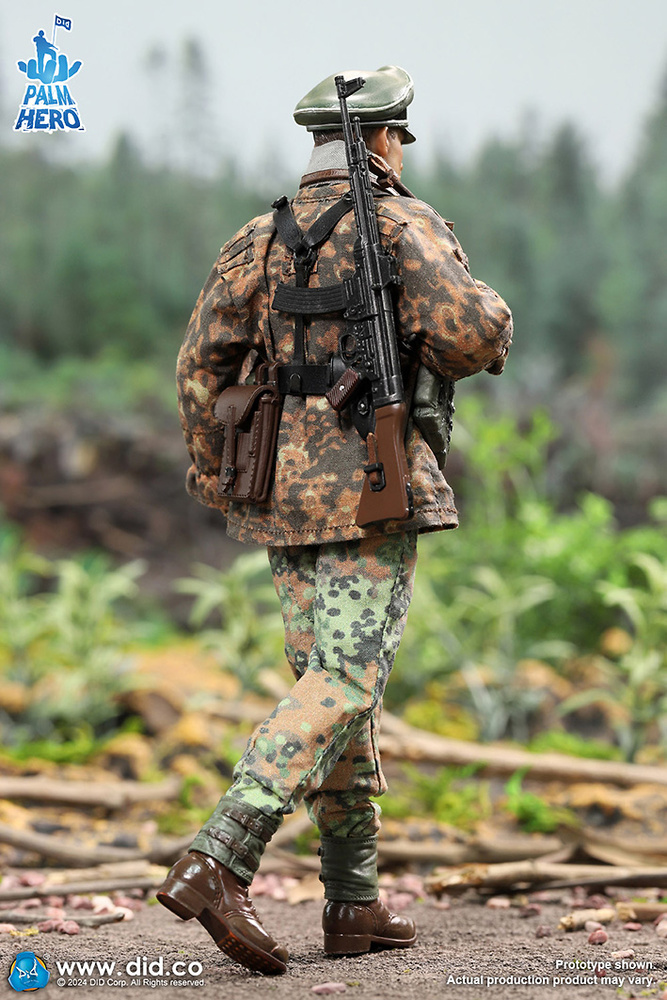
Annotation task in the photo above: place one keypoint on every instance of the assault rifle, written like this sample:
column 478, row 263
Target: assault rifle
column 369, row 348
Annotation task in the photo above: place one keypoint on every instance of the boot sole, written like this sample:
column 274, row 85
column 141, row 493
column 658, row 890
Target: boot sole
column 187, row 904
column 359, row 944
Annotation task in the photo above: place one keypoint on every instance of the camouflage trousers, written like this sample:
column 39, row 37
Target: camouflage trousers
column 344, row 607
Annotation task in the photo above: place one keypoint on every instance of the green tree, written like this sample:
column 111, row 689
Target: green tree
column 634, row 293
column 569, row 254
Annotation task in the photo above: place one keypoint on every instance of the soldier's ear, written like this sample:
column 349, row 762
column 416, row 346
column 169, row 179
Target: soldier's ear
column 378, row 141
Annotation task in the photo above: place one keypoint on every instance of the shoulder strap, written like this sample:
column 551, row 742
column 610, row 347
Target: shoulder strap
column 303, row 244
column 304, row 247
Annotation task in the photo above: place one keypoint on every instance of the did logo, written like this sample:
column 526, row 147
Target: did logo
column 48, row 105
column 28, row 972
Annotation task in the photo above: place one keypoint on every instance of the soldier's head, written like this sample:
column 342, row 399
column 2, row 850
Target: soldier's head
column 381, row 106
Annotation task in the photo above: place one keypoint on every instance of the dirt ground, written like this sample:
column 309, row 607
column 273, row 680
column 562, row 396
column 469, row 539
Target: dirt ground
column 458, row 948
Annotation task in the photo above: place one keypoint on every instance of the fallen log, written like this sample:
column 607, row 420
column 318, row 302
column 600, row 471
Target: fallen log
column 618, row 851
column 285, row 863
column 167, row 851
column 521, row 875
column 645, row 913
column 110, row 870
column 477, row 849
column 639, row 877
column 58, row 849
column 32, row 917
column 400, row 740
column 78, row 856
column 101, row 885
column 112, row 795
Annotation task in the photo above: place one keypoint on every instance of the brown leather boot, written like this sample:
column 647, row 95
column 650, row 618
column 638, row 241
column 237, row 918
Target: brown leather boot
column 353, row 928
column 354, row 918
column 199, row 886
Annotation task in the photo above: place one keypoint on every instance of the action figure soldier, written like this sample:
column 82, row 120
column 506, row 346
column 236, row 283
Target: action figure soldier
column 277, row 327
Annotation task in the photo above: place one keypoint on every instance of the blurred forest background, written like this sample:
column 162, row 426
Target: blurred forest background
column 543, row 620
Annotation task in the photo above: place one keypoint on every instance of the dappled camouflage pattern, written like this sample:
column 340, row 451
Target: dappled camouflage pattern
column 344, row 607
column 456, row 326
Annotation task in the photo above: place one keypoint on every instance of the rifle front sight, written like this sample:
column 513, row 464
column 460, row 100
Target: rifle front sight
column 346, row 88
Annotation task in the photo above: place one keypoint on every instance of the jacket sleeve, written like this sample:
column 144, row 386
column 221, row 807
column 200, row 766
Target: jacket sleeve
column 217, row 342
column 459, row 326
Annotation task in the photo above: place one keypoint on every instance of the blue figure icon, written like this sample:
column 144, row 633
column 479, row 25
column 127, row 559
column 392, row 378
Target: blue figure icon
column 28, row 972
column 44, row 48
column 48, row 70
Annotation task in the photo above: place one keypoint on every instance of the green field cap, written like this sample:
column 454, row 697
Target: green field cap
column 383, row 100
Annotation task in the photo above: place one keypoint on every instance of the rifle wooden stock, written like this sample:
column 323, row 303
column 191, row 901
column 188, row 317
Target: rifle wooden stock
column 386, row 493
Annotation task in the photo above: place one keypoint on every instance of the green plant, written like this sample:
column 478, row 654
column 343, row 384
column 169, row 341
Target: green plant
column 521, row 580
column 479, row 632
column 81, row 610
column 22, row 574
column 449, row 795
column 81, row 745
column 637, row 679
column 248, row 637
column 78, row 748
column 62, row 640
column 532, row 812
column 560, row 741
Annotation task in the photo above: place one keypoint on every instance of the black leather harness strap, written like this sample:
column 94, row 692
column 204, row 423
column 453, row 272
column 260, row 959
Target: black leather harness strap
column 303, row 244
column 299, row 377
column 310, row 301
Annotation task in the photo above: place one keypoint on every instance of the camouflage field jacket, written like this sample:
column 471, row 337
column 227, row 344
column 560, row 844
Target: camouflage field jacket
column 456, row 325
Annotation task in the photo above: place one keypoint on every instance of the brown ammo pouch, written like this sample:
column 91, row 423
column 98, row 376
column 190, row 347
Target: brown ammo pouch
column 250, row 414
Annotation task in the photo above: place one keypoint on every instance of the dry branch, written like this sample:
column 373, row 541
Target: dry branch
column 167, row 851
column 398, row 739
column 402, row 741
column 33, row 917
column 516, row 876
column 614, row 850
column 285, row 863
column 117, row 876
column 578, row 918
column 78, row 856
column 100, row 885
column 112, row 795
column 610, row 875
column 72, row 854
column 643, row 912
column 108, row 871
column 478, row 849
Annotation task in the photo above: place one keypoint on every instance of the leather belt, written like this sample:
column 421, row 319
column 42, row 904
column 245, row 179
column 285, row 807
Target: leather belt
column 304, row 380
column 309, row 380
